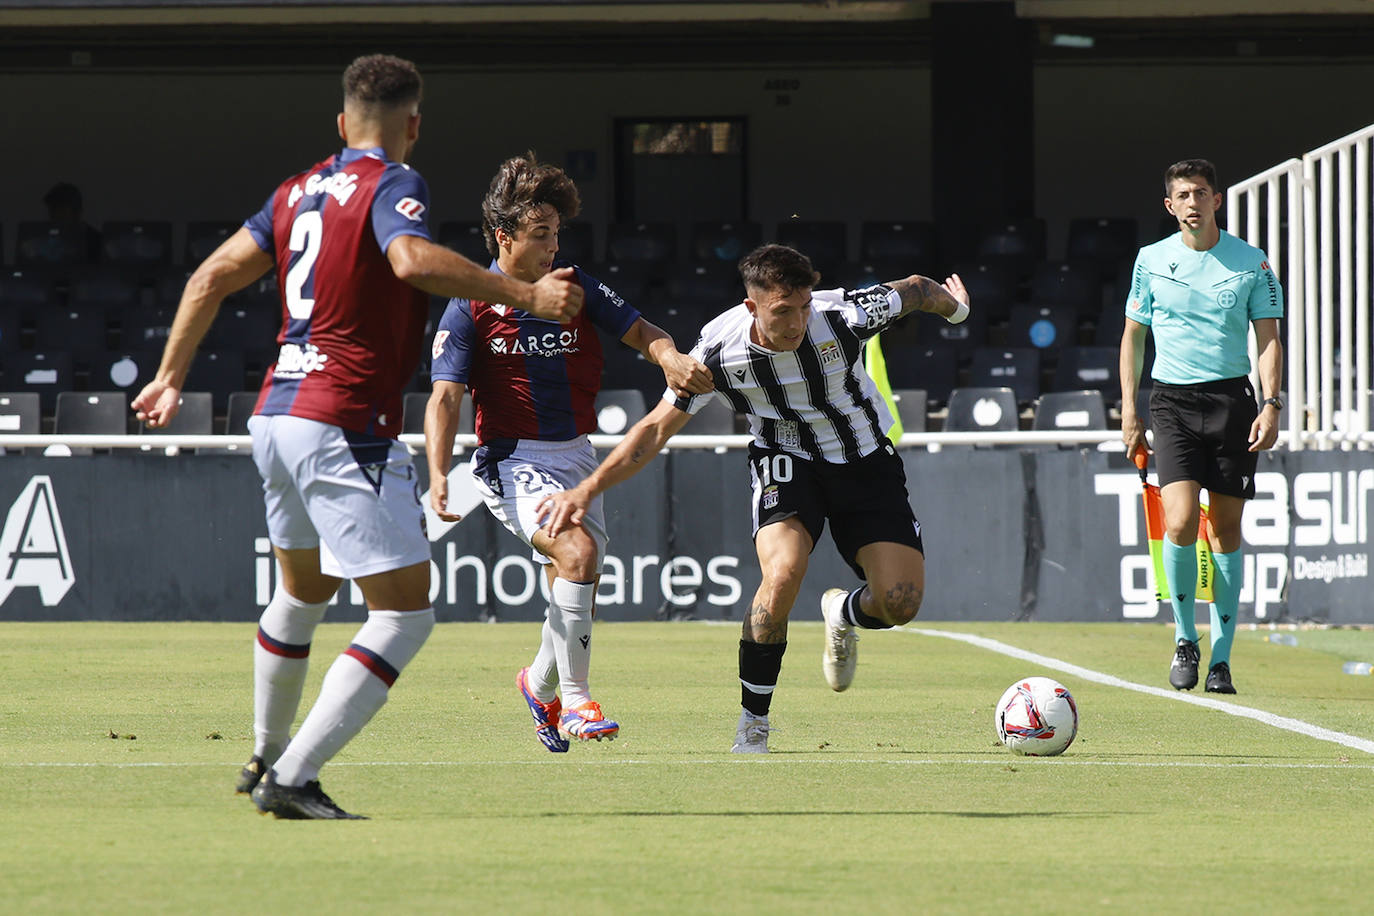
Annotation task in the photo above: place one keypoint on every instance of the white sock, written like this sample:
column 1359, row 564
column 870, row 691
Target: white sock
column 570, row 620
column 281, row 656
column 543, row 674
column 354, row 688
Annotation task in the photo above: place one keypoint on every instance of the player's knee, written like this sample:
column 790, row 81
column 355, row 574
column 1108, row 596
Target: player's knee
column 783, row 573
column 576, row 559
column 899, row 603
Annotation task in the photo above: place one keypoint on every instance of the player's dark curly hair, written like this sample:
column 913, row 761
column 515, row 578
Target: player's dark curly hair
column 777, row 268
column 1190, row 168
column 383, row 80
column 522, row 184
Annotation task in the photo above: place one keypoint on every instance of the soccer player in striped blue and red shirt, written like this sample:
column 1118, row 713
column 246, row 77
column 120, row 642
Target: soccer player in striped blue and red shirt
column 533, row 384
column 354, row 261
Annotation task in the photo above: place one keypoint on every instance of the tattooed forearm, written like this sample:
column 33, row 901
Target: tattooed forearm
column 759, row 626
column 924, row 294
column 637, row 456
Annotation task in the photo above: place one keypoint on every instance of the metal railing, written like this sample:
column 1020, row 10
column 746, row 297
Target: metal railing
column 1316, row 211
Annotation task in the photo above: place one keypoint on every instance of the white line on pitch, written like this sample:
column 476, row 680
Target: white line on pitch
column 999, row 760
column 1087, row 674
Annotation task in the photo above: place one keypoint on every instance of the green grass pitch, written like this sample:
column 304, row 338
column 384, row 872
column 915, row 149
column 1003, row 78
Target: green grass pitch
column 119, row 744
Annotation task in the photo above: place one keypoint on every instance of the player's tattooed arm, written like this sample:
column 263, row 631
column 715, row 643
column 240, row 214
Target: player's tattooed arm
column 922, row 294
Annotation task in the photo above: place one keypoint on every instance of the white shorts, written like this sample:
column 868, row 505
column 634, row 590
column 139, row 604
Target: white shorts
column 514, row 475
column 358, row 494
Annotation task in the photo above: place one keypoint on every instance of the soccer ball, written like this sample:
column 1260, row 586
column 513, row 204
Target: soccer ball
column 1037, row 717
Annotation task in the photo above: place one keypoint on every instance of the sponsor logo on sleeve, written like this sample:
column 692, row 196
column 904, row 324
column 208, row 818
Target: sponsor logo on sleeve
column 410, row 208
column 440, row 337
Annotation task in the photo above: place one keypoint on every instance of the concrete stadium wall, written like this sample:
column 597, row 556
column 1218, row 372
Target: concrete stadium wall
column 1052, row 534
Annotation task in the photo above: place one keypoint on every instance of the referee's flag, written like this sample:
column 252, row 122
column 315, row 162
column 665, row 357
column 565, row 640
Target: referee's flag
column 1154, row 532
column 876, row 367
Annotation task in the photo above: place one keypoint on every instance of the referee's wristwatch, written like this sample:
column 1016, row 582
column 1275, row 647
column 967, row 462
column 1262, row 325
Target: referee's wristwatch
column 1276, row 403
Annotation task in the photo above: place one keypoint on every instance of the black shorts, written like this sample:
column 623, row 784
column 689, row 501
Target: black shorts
column 1202, row 433
column 866, row 500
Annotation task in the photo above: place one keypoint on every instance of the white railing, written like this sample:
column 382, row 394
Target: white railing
column 1317, row 211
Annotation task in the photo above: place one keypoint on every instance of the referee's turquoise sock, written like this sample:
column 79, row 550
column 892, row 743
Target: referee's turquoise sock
column 1180, row 569
column 1225, row 603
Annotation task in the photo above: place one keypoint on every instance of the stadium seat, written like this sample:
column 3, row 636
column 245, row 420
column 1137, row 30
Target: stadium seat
column 710, row 285
column 78, row 330
column 25, row 290
column 1043, row 327
column 49, row 246
column 647, row 242
column 42, row 372
column 1017, row 243
column 982, row 409
column 127, row 370
column 625, row 368
column 91, row 413
column 825, row 242
column 992, row 287
column 413, row 412
column 577, row 242
column 1095, row 368
column 726, row 241
column 911, row 241
column 102, row 287
column 195, row 417
column 1074, row 284
column 219, row 372
column 1017, row 368
column 204, row 236
column 250, row 328
column 20, row 413
column 1103, row 241
column 933, row 369
column 964, row 337
column 911, row 408
column 466, row 239
column 1111, row 324
column 871, row 271
column 617, row 409
column 239, row 407
column 140, row 247
column 1070, row 410
column 11, row 333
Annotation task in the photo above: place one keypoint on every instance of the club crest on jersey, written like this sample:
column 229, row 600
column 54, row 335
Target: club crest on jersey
column 410, row 208
column 830, row 353
column 770, row 497
column 439, row 338
column 340, row 186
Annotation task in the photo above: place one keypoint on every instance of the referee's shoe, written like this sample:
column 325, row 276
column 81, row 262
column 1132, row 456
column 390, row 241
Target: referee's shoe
column 1183, row 672
column 1219, row 679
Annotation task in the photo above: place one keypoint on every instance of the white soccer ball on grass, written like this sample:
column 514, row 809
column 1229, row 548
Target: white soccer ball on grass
column 1037, row 716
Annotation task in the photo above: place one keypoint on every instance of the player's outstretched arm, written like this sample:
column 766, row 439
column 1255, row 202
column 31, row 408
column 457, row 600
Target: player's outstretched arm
column 441, row 425
column 237, row 262
column 684, row 374
column 560, row 511
column 441, row 271
column 922, row 294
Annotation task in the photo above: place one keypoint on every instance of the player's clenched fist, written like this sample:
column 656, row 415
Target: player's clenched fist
column 557, row 295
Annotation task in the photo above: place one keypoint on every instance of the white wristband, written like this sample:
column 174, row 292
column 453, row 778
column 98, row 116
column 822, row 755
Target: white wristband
column 960, row 314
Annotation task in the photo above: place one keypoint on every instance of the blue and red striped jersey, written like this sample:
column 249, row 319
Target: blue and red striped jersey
column 352, row 333
column 529, row 378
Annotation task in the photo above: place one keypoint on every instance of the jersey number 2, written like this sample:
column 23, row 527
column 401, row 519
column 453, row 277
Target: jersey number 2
column 307, row 231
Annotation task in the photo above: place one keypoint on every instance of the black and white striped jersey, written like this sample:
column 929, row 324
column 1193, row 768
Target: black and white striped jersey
column 816, row 402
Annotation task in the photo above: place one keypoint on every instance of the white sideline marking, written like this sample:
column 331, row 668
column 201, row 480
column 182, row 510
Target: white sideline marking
column 1259, row 715
column 1000, row 759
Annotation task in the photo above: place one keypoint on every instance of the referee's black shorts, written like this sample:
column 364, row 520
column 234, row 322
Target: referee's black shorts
column 1202, row 433
column 865, row 501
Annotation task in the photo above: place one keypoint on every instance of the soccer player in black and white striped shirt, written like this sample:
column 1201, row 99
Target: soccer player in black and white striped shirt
column 790, row 359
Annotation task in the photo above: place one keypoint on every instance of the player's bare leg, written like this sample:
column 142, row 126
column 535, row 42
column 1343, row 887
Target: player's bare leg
column 783, row 550
column 567, row 635
column 896, row 575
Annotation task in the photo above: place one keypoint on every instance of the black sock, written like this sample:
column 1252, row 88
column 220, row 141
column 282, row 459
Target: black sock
column 858, row 617
column 759, row 664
